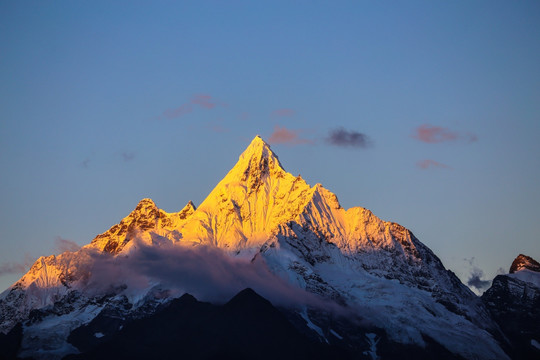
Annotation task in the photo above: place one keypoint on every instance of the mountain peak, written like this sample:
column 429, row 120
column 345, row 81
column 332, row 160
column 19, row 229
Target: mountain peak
column 145, row 204
column 258, row 148
column 524, row 262
column 191, row 205
column 187, row 211
column 255, row 164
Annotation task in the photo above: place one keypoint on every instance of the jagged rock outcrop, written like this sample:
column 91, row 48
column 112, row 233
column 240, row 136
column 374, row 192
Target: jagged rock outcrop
column 524, row 262
column 514, row 302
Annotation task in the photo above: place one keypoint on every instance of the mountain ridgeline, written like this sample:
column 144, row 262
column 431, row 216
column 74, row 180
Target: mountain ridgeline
column 324, row 282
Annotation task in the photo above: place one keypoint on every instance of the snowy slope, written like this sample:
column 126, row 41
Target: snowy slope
column 265, row 218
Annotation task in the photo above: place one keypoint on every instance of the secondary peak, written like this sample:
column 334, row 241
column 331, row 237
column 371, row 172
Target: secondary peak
column 524, row 262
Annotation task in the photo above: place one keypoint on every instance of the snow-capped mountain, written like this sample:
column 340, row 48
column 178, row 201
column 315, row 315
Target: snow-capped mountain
column 264, row 228
column 514, row 302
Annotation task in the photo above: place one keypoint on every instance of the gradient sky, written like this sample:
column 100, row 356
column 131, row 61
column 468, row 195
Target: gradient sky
column 426, row 113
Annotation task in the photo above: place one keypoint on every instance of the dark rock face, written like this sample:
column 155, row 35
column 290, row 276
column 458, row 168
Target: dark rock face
column 515, row 305
column 11, row 342
column 246, row 327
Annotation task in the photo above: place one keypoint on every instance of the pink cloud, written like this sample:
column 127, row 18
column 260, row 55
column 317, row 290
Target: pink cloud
column 177, row 112
column 436, row 134
column 204, row 101
column 428, row 163
column 286, row 136
column 207, row 102
column 283, row 112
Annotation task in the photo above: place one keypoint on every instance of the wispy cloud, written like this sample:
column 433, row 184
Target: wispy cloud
column 63, row 245
column 178, row 111
column 428, row 163
column 348, row 138
column 203, row 101
column 207, row 273
column 475, row 280
column 282, row 135
column 13, row 267
column 436, row 134
column 128, row 156
column 283, row 112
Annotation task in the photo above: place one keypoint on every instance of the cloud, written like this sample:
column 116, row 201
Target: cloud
column 208, row 273
column 204, row 101
column 283, row 112
column 346, row 138
column 282, row 135
column 63, row 245
column 9, row 268
column 128, row 156
column 475, row 279
column 436, row 134
column 12, row 268
column 177, row 112
column 428, row 163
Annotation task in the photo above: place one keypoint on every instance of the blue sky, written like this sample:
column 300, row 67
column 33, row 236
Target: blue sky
column 438, row 105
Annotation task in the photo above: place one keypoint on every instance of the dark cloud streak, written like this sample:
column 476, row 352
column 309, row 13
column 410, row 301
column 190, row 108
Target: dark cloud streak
column 476, row 275
column 128, row 156
column 348, row 138
column 475, row 279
